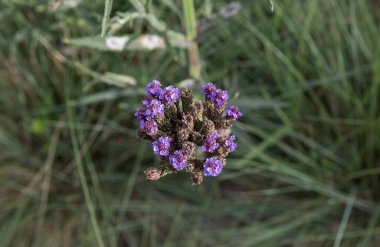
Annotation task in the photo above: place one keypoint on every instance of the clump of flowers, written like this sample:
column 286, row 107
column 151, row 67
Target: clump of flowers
column 178, row 126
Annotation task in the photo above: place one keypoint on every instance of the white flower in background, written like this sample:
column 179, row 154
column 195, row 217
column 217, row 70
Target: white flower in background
column 67, row 4
column 187, row 83
column 230, row 10
column 71, row 3
column 151, row 41
column 116, row 43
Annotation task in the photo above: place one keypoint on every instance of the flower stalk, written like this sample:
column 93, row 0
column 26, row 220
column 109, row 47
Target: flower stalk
column 191, row 34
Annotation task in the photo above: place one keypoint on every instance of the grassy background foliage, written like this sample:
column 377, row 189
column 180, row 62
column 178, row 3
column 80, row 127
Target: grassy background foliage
column 307, row 170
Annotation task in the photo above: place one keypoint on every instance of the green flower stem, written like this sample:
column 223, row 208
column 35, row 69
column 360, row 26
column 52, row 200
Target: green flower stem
column 191, row 34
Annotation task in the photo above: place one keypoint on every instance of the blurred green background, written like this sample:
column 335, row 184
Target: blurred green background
column 306, row 75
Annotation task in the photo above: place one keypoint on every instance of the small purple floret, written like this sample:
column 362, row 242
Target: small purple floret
column 162, row 145
column 208, row 89
column 147, row 99
column 220, row 97
column 210, row 143
column 212, row 167
column 154, row 88
column 233, row 112
column 149, row 126
column 153, row 108
column 178, row 160
column 214, row 135
column 170, row 94
column 139, row 114
column 229, row 143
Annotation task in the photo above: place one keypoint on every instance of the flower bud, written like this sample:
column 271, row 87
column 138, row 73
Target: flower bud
column 190, row 166
column 196, row 138
column 208, row 127
column 209, row 107
column 226, row 124
column 222, row 123
column 171, row 111
column 186, row 98
column 183, row 135
column 222, row 151
column 197, row 177
column 196, row 110
column 219, row 109
column 143, row 135
column 188, row 148
column 188, row 122
column 162, row 123
column 153, row 173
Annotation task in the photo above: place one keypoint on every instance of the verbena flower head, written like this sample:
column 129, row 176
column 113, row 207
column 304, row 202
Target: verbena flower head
column 178, row 160
column 140, row 113
column 210, row 143
column 170, row 94
column 147, row 99
column 176, row 124
column 154, row 88
column 213, row 166
column 149, row 126
column 233, row 112
column 230, row 144
column 153, row 108
column 162, row 145
column 208, row 89
column 220, row 97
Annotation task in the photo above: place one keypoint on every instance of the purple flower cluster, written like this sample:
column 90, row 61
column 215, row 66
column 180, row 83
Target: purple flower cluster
column 153, row 105
column 233, row 112
column 178, row 160
column 219, row 96
column 149, row 126
column 212, row 166
column 208, row 89
column 153, row 108
column 210, row 143
column 154, row 88
column 230, row 144
column 162, row 145
column 170, row 94
column 175, row 129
